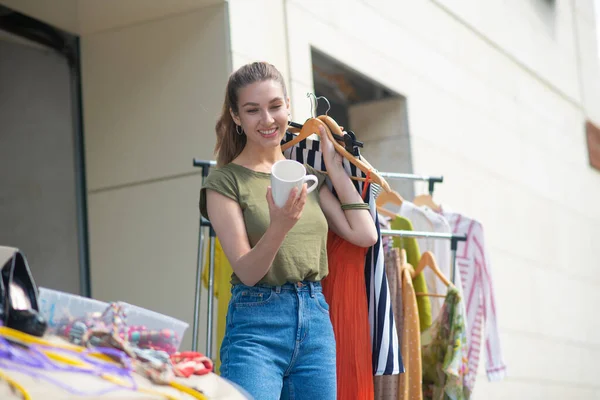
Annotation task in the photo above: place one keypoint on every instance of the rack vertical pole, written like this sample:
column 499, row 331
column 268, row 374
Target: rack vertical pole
column 199, row 259
column 454, row 247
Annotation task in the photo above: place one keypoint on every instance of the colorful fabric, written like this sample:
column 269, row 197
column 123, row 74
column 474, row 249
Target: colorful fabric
column 444, row 352
column 349, row 316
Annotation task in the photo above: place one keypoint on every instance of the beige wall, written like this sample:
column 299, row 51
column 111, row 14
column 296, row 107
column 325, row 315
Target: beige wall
column 151, row 94
column 83, row 17
column 495, row 105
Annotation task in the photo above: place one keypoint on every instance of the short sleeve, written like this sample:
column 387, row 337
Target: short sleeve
column 320, row 175
column 221, row 182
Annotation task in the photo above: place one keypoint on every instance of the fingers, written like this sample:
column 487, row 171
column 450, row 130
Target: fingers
column 297, row 199
column 322, row 132
column 291, row 199
column 301, row 200
column 270, row 200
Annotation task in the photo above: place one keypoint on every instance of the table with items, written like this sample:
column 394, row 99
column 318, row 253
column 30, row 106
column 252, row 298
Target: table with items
column 95, row 350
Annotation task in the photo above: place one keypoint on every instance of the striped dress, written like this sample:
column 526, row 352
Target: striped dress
column 387, row 359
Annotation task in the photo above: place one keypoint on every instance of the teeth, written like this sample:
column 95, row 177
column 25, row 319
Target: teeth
column 269, row 132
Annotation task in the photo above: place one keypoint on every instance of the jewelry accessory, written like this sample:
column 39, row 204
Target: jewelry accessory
column 239, row 130
column 355, row 206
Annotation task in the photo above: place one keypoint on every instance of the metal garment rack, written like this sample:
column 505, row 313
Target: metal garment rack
column 205, row 165
column 432, row 180
column 204, row 223
column 454, row 239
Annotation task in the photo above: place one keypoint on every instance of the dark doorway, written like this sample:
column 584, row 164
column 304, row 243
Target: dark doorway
column 42, row 171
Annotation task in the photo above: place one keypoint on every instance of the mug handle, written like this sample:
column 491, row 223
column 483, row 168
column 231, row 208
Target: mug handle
column 315, row 182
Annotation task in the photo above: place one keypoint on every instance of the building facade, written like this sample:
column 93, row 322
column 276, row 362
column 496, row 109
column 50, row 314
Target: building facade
column 492, row 95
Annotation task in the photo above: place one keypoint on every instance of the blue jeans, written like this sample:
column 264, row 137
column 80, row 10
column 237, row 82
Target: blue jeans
column 279, row 342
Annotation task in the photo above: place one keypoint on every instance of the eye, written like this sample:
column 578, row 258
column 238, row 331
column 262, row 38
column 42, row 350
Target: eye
column 252, row 111
column 277, row 107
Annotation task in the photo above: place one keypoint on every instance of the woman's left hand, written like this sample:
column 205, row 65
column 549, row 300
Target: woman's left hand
column 331, row 157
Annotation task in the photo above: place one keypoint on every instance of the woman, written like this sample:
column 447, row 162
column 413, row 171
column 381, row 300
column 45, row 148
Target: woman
column 279, row 340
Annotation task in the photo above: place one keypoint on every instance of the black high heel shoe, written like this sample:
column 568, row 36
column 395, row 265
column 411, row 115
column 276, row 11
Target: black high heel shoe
column 20, row 298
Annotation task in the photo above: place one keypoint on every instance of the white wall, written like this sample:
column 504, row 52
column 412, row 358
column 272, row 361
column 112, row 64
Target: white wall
column 152, row 92
column 495, row 105
column 258, row 33
column 83, row 17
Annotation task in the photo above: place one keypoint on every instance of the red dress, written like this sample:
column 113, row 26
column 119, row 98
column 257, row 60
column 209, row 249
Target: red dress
column 344, row 290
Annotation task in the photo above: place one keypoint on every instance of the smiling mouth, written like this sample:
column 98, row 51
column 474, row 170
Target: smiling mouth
column 268, row 133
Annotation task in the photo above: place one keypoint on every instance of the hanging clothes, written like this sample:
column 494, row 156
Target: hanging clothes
column 386, row 386
column 409, row 383
column 222, row 291
column 479, row 298
column 426, row 220
column 344, row 291
column 386, row 359
column 444, row 353
column 406, row 386
column 413, row 256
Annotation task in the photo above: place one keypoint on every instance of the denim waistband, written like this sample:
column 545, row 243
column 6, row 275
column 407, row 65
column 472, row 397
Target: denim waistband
column 303, row 286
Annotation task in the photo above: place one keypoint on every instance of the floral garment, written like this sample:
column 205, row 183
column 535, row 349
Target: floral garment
column 444, row 352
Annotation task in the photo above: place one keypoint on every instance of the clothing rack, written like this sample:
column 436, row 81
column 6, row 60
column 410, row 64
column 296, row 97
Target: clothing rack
column 204, row 223
column 454, row 239
column 205, row 165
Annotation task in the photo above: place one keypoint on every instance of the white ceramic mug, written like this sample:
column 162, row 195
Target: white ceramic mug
column 286, row 175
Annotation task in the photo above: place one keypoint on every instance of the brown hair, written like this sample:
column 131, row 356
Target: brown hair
column 229, row 143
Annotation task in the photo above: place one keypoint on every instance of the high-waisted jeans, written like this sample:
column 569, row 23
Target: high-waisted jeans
column 279, row 342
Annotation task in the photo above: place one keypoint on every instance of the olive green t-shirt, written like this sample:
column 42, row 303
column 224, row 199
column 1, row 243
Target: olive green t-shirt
column 303, row 253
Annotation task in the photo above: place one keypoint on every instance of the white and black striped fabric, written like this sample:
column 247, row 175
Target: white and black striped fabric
column 387, row 359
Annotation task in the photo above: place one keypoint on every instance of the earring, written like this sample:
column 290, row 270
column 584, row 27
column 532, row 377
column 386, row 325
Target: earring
column 239, row 130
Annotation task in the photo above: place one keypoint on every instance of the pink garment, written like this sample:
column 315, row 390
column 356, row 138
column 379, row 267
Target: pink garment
column 480, row 301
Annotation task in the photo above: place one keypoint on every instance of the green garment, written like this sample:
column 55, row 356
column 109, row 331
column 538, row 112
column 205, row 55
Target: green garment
column 413, row 256
column 303, row 253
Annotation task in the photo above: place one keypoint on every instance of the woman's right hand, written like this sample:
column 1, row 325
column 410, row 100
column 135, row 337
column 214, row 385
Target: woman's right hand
column 285, row 218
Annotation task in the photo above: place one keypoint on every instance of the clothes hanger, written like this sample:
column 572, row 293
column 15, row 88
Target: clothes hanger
column 364, row 167
column 312, row 126
column 428, row 260
column 386, row 213
column 427, row 201
column 384, row 198
column 308, row 128
column 391, row 197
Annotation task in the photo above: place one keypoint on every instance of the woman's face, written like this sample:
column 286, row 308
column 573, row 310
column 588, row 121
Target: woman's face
column 263, row 113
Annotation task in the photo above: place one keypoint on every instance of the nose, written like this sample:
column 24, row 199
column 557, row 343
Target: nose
column 267, row 118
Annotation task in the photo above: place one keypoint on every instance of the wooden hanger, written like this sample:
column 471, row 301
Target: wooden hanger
column 428, row 260
column 426, row 200
column 308, row 128
column 331, row 125
column 311, row 126
column 391, row 197
column 386, row 213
